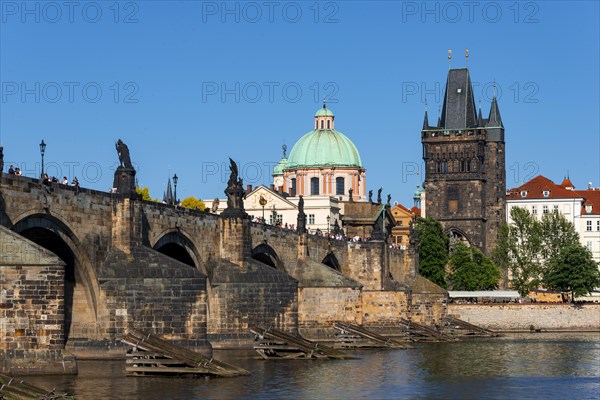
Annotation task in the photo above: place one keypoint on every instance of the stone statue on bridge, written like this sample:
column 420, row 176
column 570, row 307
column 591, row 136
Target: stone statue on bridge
column 123, row 153
column 301, row 222
column 1, row 159
column 124, row 182
column 370, row 196
column 235, row 194
column 389, row 200
column 350, row 194
column 379, row 195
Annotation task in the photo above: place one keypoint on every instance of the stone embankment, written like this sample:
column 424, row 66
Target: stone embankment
column 521, row 317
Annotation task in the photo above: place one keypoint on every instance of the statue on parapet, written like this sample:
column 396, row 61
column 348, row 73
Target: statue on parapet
column 379, row 195
column 370, row 196
column 123, row 153
column 389, row 199
column 124, row 182
column 1, row 159
column 350, row 194
column 235, row 194
column 301, row 222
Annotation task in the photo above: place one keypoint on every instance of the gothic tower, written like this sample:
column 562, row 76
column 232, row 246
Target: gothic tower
column 465, row 177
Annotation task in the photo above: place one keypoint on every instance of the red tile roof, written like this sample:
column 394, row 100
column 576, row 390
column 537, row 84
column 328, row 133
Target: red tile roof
column 416, row 210
column 592, row 198
column 566, row 183
column 535, row 190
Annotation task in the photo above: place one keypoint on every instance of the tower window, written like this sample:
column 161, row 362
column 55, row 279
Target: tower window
column 293, row 188
column 468, row 165
column 314, row 186
column 328, row 124
column 453, row 197
column 321, row 124
column 339, row 185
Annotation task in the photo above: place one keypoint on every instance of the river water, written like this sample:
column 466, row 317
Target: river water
column 523, row 366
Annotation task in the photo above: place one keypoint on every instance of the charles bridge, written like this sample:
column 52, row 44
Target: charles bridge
column 79, row 267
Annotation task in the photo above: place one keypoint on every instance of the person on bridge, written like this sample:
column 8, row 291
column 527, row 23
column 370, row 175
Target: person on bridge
column 11, row 170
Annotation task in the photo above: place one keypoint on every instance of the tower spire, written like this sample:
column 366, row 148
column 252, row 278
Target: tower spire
column 425, row 121
column 467, row 58
column 449, row 57
column 494, row 119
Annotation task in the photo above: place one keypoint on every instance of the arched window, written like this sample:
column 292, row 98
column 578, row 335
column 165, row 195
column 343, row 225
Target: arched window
column 321, row 124
column 339, row 185
column 314, row 186
column 328, row 124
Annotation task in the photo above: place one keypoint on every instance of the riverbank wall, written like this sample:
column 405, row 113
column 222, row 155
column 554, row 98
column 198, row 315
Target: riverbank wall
column 522, row 317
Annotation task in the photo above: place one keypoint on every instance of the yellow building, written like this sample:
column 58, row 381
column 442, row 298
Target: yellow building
column 401, row 230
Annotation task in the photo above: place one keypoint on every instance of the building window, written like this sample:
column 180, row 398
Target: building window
column 598, row 226
column 523, row 193
column 534, row 210
column 321, row 124
column 546, row 193
column 556, row 207
column 314, row 186
column 328, row 124
column 293, row 188
column 589, row 245
column 339, row 185
column 588, row 226
column 311, row 219
column 468, row 165
column 545, row 209
column 453, row 197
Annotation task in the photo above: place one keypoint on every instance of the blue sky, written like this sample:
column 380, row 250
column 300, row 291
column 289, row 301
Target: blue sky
column 188, row 84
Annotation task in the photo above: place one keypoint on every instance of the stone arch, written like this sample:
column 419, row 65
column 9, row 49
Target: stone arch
column 267, row 255
column 456, row 235
column 331, row 261
column 180, row 247
column 81, row 286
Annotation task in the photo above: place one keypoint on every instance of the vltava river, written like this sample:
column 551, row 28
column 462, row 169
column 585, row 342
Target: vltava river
column 524, row 366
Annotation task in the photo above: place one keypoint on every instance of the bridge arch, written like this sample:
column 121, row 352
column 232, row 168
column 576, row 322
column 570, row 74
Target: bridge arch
column 267, row 255
column 81, row 291
column 331, row 261
column 180, row 247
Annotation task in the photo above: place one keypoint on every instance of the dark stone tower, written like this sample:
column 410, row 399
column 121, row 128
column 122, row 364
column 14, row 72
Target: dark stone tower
column 465, row 176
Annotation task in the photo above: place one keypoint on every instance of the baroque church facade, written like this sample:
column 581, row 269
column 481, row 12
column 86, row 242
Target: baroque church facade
column 465, row 177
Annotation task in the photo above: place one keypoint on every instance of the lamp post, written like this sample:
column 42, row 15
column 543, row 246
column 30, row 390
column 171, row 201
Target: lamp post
column 274, row 213
column 328, row 219
column 263, row 202
column 42, row 152
column 175, row 179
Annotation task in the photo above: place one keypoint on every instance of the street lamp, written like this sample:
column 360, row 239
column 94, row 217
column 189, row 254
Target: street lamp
column 328, row 218
column 263, row 202
column 175, row 179
column 42, row 151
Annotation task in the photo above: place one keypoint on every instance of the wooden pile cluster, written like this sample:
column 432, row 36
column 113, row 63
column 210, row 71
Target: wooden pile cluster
column 151, row 355
column 421, row 332
column 459, row 327
column 18, row 389
column 272, row 343
column 353, row 336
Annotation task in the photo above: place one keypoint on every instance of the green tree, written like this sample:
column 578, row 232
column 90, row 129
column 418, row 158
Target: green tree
column 193, row 203
column 433, row 250
column 470, row 269
column 524, row 244
column 556, row 233
column 145, row 193
column 501, row 254
column 573, row 270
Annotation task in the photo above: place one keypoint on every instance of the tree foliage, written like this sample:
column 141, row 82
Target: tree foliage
column 470, row 269
column 193, row 203
column 433, row 250
column 573, row 269
column 529, row 248
column 144, row 192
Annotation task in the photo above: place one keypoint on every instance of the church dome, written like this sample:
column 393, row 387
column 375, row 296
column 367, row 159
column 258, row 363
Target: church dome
column 280, row 166
column 323, row 147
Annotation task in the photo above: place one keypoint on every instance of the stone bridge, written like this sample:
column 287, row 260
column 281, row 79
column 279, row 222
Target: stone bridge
column 78, row 267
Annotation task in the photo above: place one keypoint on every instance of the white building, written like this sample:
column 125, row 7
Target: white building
column 281, row 209
column 581, row 207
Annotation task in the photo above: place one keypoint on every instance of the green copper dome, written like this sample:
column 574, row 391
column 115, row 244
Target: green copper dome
column 278, row 169
column 324, row 112
column 324, row 148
